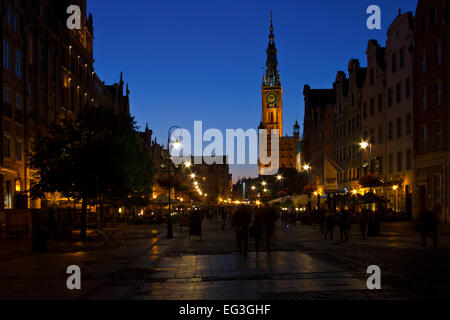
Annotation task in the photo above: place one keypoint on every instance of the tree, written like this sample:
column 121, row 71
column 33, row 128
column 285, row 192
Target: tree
column 97, row 158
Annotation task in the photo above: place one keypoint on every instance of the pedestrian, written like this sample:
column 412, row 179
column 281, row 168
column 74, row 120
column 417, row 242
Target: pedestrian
column 428, row 224
column 270, row 217
column 363, row 222
column 330, row 219
column 256, row 230
column 224, row 214
column 343, row 221
column 241, row 220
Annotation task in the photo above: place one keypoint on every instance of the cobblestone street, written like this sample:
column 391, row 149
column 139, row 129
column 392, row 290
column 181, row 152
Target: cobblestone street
column 302, row 266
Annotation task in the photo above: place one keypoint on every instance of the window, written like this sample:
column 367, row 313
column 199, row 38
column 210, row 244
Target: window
column 423, row 98
column 408, row 159
column 390, row 163
column 18, row 149
column 424, row 23
column 10, row 17
column 19, row 108
column 408, row 87
column 389, row 97
column 380, row 103
column 437, row 93
column 437, row 53
column 19, row 68
column 408, row 123
column 399, row 161
column 8, row 195
column 7, row 148
column 437, row 134
column 399, row 127
column 6, row 54
column 30, row 49
column 372, row 107
column 423, row 138
column 402, row 57
column 423, row 61
column 7, row 107
column 437, row 189
column 394, row 62
column 434, row 16
column 380, row 134
column 16, row 22
column 399, row 92
column 390, row 130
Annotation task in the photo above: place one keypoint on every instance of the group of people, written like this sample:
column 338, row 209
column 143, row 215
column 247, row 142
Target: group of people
column 344, row 219
column 256, row 223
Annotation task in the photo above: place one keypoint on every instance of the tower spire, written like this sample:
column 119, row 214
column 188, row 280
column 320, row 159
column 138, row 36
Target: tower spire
column 272, row 77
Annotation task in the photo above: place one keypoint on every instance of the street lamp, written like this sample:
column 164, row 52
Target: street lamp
column 307, row 168
column 176, row 146
column 279, row 178
column 395, row 188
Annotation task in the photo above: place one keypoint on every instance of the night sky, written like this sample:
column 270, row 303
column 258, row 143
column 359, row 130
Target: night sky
column 203, row 60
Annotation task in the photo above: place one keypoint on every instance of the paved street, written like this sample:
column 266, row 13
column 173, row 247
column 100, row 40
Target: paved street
column 302, row 266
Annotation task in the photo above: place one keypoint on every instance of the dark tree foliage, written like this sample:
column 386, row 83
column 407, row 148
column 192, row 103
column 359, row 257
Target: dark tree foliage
column 98, row 158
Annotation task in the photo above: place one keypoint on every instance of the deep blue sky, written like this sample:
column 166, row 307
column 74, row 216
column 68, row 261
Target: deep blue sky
column 202, row 60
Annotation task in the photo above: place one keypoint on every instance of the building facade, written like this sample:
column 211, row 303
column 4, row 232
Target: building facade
column 48, row 74
column 399, row 157
column 431, row 106
column 318, row 137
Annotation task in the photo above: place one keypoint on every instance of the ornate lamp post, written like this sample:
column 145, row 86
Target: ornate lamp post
column 176, row 146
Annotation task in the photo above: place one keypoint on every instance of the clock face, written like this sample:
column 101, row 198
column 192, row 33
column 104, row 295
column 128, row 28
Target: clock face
column 271, row 98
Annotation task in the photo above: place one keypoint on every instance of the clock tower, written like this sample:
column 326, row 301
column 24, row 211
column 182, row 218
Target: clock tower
column 272, row 97
column 272, row 92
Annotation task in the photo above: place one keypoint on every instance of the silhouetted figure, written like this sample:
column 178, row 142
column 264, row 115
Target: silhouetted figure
column 363, row 220
column 330, row 219
column 428, row 225
column 270, row 216
column 241, row 220
column 224, row 214
column 256, row 230
column 321, row 219
column 343, row 222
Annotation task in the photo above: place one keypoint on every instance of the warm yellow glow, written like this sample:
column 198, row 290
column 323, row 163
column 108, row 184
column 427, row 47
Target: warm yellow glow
column 17, row 186
column 187, row 164
column 253, row 187
column 263, row 183
column 316, row 193
column 306, row 167
column 364, row 144
column 279, row 177
column 193, row 175
column 265, row 190
column 176, row 145
column 355, row 191
column 395, row 187
column 258, row 202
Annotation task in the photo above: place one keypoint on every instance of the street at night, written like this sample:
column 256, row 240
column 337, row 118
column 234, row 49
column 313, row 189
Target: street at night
column 240, row 159
column 302, row 266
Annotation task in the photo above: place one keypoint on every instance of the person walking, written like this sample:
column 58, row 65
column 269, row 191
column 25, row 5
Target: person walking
column 363, row 220
column 343, row 222
column 428, row 224
column 224, row 215
column 270, row 217
column 256, row 230
column 330, row 223
column 240, row 222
